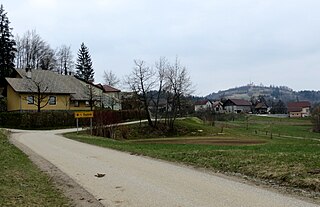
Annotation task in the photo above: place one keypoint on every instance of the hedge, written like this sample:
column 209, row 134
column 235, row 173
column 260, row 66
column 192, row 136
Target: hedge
column 63, row 119
column 35, row 120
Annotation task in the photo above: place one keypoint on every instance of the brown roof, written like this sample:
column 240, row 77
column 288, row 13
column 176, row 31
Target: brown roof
column 202, row 102
column 302, row 104
column 261, row 106
column 109, row 89
column 240, row 102
column 216, row 103
column 297, row 106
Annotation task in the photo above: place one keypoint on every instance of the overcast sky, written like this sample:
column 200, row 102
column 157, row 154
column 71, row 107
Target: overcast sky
column 223, row 43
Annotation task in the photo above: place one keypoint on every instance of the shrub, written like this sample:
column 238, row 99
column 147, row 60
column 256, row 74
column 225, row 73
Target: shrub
column 63, row 119
column 315, row 118
column 36, row 120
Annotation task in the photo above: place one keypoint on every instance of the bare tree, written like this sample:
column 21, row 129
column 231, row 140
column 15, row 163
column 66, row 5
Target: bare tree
column 19, row 52
column 92, row 95
column 178, row 84
column 48, row 60
column 161, row 66
column 65, row 60
column 39, row 93
column 33, row 51
column 41, row 96
column 110, row 78
column 141, row 82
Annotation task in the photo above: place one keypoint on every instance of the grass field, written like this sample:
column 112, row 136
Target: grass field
column 22, row 183
column 290, row 157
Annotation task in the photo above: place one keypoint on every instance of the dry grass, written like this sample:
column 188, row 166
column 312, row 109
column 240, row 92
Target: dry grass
column 22, row 183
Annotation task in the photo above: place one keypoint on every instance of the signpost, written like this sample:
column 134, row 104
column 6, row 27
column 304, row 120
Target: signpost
column 83, row 114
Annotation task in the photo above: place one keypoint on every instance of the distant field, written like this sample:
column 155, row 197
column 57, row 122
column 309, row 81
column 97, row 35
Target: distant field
column 289, row 157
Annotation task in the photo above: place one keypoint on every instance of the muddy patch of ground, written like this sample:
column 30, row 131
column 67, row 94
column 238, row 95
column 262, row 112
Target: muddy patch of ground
column 204, row 141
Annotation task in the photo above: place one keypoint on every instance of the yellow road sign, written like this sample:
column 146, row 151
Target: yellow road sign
column 83, row 114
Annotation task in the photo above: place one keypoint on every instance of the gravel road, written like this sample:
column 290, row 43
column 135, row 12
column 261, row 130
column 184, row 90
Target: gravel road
column 137, row 181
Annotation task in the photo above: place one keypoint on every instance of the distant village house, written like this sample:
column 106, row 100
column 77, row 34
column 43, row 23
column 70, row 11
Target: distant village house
column 299, row 109
column 205, row 105
column 237, row 106
column 202, row 105
column 261, row 108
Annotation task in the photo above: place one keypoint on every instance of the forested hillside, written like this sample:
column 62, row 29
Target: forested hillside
column 283, row 93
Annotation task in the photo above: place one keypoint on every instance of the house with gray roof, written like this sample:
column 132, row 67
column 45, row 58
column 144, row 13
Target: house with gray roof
column 48, row 90
column 237, row 106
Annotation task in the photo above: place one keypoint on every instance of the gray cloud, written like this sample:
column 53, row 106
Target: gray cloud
column 223, row 43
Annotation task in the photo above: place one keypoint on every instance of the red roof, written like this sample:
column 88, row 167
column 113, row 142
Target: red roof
column 109, row 89
column 240, row 102
column 203, row 102
column 302, row 104
column 297, row 106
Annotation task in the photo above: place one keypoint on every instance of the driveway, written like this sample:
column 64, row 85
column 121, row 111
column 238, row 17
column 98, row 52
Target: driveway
column 137, row 181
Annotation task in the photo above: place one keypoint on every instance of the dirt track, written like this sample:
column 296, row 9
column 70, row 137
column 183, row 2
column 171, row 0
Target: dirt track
column 138, row 181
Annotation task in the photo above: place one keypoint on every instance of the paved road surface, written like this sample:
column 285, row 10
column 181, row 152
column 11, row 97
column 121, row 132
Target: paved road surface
column 136, row 181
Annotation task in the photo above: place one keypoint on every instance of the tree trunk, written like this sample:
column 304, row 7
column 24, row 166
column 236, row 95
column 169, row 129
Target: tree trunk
column 147, row 112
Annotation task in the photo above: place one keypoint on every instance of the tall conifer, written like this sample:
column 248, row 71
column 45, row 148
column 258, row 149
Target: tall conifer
column 7, row 47
column 84, row 68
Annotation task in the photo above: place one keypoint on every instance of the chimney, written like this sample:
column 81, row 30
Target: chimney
column 28, row 71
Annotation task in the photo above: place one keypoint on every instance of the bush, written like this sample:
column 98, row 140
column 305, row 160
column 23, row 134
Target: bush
column 104, row 118
column 315, row 118
column 3, row 104
column 205, row 116
column 64, row 119
column 35, row 120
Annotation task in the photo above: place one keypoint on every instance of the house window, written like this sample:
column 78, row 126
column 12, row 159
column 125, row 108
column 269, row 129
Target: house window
column 76, row 103
column 52, row 100
column 30, row 100
column 87, row 103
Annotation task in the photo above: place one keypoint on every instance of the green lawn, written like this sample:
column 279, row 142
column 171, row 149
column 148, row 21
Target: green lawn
column 284, row 160
column 294, row 127
column 22, row 183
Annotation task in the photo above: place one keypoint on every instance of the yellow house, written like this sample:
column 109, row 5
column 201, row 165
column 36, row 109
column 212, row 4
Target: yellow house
column 46, row 90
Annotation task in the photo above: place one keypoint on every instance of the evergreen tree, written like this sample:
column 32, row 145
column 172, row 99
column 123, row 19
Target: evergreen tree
column 279, row 108
column 7, row 47
column 84, row 64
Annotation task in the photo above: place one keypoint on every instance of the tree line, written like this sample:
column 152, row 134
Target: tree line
column 31, row 51
column 170, row 81
column 35, row 53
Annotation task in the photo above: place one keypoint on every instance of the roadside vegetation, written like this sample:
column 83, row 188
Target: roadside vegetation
column 22, row 183
column 280, row 151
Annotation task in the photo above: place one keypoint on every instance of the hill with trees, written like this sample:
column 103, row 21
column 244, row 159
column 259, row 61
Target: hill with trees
column 251, row 91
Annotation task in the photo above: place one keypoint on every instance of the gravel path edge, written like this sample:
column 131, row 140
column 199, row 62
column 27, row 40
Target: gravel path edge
column 77, row 195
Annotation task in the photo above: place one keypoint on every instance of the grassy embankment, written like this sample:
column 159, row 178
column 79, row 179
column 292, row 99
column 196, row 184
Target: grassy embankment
column 290, row 157
column 22, row 183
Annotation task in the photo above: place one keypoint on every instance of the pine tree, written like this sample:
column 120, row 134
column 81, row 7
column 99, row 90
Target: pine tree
column 84, row 64
column 7, row 47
